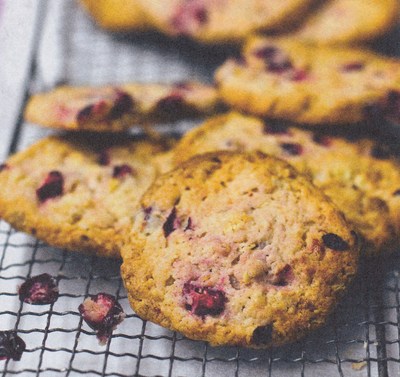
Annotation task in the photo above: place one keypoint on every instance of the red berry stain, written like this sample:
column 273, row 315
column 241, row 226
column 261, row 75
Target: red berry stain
column 203, row 301
column 52, row 186
column 39, row 290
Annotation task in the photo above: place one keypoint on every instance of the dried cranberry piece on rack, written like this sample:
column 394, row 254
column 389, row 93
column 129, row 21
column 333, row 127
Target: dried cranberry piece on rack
column 52, row 186
column 39, row 290
column 11, row 346
column 103, row 313
column 203, row 301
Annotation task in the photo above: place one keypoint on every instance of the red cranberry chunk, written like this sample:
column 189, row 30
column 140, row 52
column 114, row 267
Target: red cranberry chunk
column 397, row 193
column 352, row 67
column 334, row 242
column 190, row 16
column 322, row 140
column 85, row 114
column 52, row 186
column 3, row 167
column 11, row 346
column 203, row 301
column 123, row 104
column 275, row 59
column 172, row 223
column 299, row 75
column 104, row 158
column 121, row 171
column 262, row 335
column 102, row 313
column 39, row 290
column 292, row 149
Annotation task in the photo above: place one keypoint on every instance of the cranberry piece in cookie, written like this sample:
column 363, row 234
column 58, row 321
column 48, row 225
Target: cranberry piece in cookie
column 11, row 346
column 123, row 104
column 121, row 171
column 334, row 242
column 203, row 301
column 292, row 149
column 352, row 67
column 189, row 17
column 102, row 313
column 39, row 290
column 52, row 186
column 171, row 224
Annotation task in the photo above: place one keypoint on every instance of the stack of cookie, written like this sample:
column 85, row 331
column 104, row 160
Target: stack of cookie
column 221, row 21
column 246, row 231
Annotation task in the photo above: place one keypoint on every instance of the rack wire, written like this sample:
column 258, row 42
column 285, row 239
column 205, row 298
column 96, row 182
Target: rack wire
column 362, row 338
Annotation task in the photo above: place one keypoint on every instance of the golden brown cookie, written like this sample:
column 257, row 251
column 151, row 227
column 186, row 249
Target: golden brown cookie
column 77, row 192
column 286, row 79
column 216, row 21
column 349, row 21
column 117, row 15
column 117, row 108
column 237, row 249
column 359, row 175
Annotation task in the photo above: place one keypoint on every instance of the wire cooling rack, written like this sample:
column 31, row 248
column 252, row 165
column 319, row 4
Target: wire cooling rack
column 362, row 338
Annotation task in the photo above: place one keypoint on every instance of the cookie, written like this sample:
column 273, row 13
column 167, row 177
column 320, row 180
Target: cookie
column 117, row 108
column 349, row 21
column 116, row 15
column 77, row 192
column 359, row 176
column 290, row 80
column 237, row 249
column 216, row 21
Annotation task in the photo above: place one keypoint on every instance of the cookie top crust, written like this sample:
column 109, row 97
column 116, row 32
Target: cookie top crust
column 252, row 253
column 290, row 80
column 119, row 107
column 218, row 21
column 78, row 192
column 360, row 175
column 349, row 21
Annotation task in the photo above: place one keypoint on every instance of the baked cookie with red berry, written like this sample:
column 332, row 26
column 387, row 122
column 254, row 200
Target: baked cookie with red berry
column 216, row 21
column 359, row 175
column 237, row 249
column 290, row 80
column 78, row 192
column 118, row 108
column 116, row 15
column 349, row 21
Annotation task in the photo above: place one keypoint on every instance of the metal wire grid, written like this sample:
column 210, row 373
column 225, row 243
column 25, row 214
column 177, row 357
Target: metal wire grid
column 363, row 333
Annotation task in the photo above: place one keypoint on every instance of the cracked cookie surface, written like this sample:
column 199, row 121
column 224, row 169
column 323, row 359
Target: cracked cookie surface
column 237, row 249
